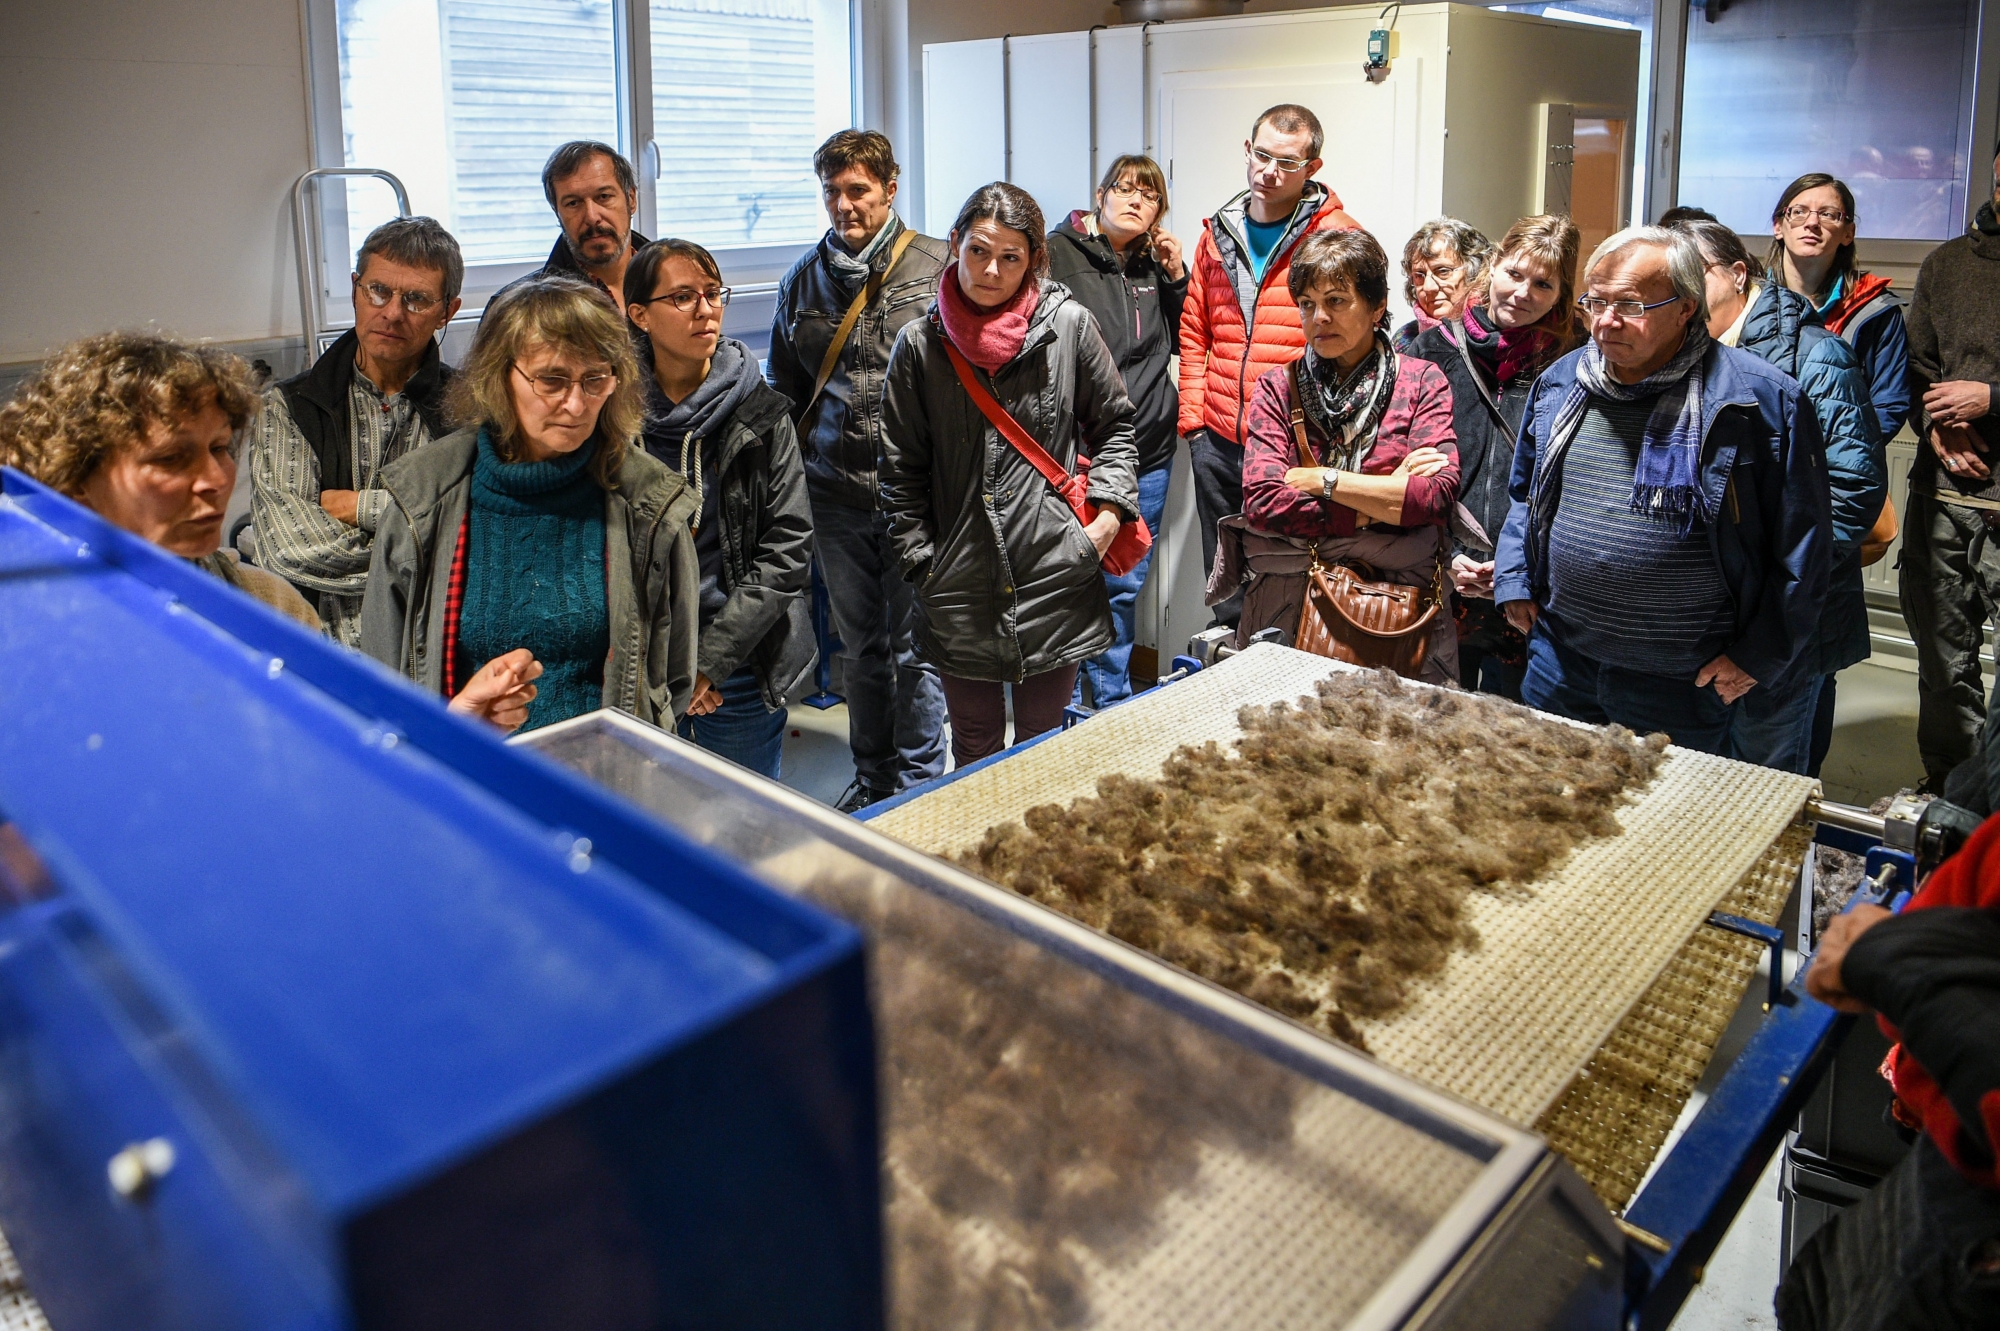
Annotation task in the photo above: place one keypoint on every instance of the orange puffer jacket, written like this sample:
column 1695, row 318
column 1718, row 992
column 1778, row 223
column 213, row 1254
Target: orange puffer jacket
column 1222, row 351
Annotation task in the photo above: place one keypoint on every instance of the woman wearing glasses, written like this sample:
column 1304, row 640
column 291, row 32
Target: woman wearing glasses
column 1789, row 724
column 1444, row 268
column 712, row 419
column 1812, row 253
column 533, row 566
column 1128, row 271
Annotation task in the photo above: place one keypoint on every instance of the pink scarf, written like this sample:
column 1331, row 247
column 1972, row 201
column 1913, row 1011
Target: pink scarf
column 987, row 338
column 1508, row 351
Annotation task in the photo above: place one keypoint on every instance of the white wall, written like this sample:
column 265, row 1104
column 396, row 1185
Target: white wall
column 148, row 152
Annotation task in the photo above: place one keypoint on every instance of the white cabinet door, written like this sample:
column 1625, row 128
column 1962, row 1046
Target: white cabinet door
column 965, row 135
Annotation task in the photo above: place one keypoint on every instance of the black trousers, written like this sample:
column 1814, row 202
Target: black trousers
column 1920, row 1251
column 1218, row 493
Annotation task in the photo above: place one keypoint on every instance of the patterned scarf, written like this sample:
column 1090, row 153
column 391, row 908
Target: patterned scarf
column 1347, row 408
column 851, row 270
column 1666, row 482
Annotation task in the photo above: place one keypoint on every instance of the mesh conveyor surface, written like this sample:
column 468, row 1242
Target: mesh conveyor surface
column 1561, row 962
column 1286, row 1202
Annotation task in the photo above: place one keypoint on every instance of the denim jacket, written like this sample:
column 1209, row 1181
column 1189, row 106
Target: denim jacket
column 1763, row 472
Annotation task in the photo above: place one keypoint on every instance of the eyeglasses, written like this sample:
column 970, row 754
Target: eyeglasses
column 1798, row 215
column 1125, row 189
column 1593, row 307
column 414, row 302
column 553, row 386
column 1440, row 277
column 684, row 299
column 1288, row 165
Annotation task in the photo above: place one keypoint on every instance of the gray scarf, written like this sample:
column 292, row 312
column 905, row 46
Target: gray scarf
column 1666, row 481
column 851, row 270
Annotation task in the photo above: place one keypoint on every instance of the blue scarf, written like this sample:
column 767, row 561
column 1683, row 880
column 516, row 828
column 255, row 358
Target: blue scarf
column 1666, row 482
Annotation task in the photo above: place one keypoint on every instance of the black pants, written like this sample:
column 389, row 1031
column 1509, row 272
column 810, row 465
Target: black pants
column 1920, row 1251
column 1218, row 492
column 1949, row 592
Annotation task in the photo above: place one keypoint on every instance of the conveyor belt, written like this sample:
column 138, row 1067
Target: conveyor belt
column 1562, row 963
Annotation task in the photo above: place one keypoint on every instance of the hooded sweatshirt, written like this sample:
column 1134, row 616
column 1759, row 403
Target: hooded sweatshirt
column 687, row 436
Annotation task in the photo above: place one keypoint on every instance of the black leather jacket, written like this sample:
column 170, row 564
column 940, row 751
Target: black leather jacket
column 1008, row 585
column 843, row 435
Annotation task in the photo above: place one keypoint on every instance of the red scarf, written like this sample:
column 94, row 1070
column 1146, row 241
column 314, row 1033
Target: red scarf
column 1861, row 288
column 987, row 338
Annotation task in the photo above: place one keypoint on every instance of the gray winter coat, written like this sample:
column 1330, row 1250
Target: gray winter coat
column 1007, row 583
column 652, row 584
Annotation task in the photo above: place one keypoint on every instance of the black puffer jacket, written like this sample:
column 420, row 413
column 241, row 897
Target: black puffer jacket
column 1008, row 584
column 766, row 532
column 843, row 435
column 1138, row 310
column 1485, row 439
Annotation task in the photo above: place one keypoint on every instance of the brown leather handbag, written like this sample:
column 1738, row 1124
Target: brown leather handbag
column 1348, row 615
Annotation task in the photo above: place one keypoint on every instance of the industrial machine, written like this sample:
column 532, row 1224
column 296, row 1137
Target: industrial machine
column 320, row 1008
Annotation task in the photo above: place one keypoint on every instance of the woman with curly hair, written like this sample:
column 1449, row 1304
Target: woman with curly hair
column 535, row 543
column 1444, row 267
column 143, row 430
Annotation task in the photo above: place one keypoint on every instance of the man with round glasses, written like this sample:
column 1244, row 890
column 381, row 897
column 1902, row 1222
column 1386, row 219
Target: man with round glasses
column 1670, row 535
column 319, row 446
column 1239, row 319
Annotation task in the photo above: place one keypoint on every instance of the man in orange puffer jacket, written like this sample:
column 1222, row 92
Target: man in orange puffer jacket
column 1239, row 319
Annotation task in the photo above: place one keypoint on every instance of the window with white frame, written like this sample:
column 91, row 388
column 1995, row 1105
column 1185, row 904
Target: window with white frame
column 463, row 100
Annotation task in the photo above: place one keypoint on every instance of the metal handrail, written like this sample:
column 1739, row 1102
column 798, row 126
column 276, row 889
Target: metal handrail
column 305, row 234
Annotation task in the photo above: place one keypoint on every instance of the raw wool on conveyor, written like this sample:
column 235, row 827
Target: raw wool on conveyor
column 1327, row 863
column 1033, row 1114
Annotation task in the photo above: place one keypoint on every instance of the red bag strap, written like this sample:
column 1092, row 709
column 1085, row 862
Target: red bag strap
column 1009, row 428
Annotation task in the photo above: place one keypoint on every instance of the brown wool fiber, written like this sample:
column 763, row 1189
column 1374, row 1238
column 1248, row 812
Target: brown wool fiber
column 1326, row 863
column 1034, row 1112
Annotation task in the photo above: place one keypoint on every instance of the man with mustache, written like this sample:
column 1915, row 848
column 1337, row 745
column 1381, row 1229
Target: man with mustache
column 595, row 196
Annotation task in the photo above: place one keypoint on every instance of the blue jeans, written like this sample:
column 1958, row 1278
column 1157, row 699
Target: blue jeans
column 895, row 705
column 741, row 730
column 1110, row 671
column 1774, row 724
column 1573, row 685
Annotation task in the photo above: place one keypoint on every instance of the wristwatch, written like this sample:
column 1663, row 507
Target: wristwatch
column 1328, row 478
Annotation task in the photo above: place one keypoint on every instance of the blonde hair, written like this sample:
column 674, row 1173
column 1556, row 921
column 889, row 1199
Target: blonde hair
column 566, row 315
column 1552, row 240
column 99, row 396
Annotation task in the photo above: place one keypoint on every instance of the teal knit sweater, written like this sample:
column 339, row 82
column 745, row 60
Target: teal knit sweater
column 534, row 577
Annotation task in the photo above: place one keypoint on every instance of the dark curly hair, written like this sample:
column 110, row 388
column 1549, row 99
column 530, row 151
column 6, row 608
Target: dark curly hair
column 98, row 396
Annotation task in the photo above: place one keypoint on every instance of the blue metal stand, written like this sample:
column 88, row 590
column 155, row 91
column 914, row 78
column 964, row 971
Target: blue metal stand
column 1686, row 1208
column 823, row 697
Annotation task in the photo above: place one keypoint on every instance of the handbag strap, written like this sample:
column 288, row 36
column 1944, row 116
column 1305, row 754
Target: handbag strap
column 1003, row 421
column 1306, row 458
column 869, row 290
column 1478, row 380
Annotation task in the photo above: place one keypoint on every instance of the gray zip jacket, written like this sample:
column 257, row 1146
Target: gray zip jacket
column 652, row 584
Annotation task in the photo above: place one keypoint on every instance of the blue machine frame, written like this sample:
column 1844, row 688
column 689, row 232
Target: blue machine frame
column 410, row 1028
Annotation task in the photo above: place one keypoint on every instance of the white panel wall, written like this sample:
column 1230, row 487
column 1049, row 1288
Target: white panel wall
column 1048, row 112
column 1119, row 124
column 965, row 136
column 148, row 153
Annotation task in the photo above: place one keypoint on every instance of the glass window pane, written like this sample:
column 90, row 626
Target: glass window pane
column 1870, row 91
column 743, row 91
column 464, row 100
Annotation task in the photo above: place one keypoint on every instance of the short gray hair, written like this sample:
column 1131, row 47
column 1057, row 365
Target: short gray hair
column 1468, row 242
column 416, row 242
column 1685, row 266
